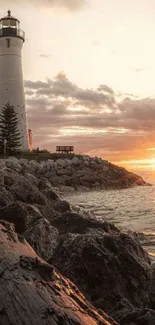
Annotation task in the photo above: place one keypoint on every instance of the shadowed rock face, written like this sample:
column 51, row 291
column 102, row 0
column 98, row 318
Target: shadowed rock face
column 106, row 267
column 33, row 292
column 70, row 222
column 43, row 238
column 110, row 268
column 22, row 215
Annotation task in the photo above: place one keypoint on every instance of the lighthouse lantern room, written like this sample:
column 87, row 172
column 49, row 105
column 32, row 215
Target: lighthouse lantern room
column 11, row 72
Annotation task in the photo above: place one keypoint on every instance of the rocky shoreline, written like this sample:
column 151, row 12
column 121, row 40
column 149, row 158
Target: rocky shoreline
column 61, row 267
column 79, row 173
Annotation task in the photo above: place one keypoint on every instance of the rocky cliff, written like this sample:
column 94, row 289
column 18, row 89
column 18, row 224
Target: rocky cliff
column 112, row 270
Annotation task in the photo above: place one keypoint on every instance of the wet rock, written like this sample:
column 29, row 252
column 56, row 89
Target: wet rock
column 106, row 267
column 43, row 238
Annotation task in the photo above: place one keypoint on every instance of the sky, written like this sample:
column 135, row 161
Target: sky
column 89, row 75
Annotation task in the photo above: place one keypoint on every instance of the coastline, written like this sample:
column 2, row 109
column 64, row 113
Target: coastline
column 49, row 246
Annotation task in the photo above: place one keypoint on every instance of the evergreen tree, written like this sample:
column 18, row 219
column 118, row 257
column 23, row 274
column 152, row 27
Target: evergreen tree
column 9, row 130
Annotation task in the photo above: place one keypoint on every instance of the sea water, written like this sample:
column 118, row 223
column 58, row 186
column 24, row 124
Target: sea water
column 130, row 209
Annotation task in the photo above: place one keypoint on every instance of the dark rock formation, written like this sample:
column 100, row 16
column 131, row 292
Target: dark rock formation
column 43, row 238
column 70, row 222
column 110, row 267
column 22, row 215
column 106, row 267
column 79, row 172
column 33, row 292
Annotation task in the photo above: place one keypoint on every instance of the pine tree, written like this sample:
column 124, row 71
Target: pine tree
column 9, row 130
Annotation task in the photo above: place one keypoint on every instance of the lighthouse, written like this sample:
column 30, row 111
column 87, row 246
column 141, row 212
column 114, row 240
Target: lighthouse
column 12, row 39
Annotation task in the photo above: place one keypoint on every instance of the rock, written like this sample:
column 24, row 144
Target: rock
column 10, row 177
column 9, row 226
column 44, row 184
column 138, row 317
column 31, row 178
column 152, row 287
column 27, row 192
column 13, row 163
column 5, row 196
column 86, row 158
column 33, row 292
column 2, row 164
column 50, row 194
column 56, row 180
column 87, row 172
column 43, row 238
column 61, row 162
column 50, row 163
column 21, row 215
column 106, row 267
column 86, row 163
column 77, row 223
column 47, row 211
column 61, row 205
column 24, row 161
column 76, row 161
column 4, row 200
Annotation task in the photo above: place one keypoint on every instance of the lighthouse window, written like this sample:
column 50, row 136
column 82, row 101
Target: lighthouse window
column 13, row 23
column 6, row 23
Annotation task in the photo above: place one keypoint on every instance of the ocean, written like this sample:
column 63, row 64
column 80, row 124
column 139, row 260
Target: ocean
column 130, row 209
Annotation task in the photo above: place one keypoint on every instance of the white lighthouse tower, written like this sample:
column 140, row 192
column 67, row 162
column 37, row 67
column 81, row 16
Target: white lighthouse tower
column 11, row 74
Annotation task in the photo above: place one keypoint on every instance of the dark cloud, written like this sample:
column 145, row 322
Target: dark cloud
column 35, row 84
column 61, row 86
column 93, row 120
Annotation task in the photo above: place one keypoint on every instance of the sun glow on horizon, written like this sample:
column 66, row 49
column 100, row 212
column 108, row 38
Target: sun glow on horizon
column 139, row 164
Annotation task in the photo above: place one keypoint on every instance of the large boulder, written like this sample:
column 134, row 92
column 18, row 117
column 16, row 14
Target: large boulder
column 33, row 292
column 26, row 191
column 61, row 205
column 21, row 215
column 61, row 163
column 13, row 163
column 106, row 267
column 43, row 238
column 71, row 222
column 5, row 196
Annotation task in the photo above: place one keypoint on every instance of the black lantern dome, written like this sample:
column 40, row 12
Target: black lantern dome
column 10, row 26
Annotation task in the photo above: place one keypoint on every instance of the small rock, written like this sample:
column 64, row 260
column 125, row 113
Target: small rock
column 61, row 205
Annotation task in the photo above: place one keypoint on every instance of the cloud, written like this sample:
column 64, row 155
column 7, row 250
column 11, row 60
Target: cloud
column 44, row 56
column 67, row 4
column 141, row 69
column 61, row 86
column 93, row 120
